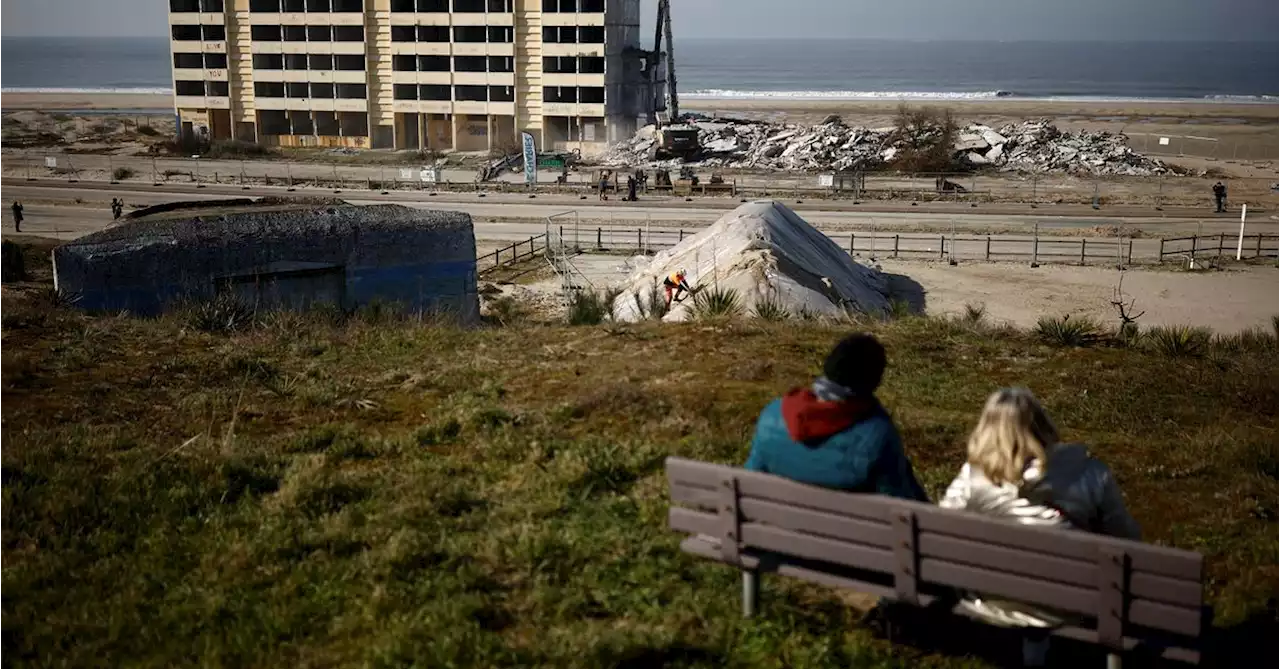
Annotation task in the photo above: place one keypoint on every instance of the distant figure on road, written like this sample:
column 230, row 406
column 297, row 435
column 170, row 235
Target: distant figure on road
column 1219, row 198
column 604, row 185
column 631, row 188
column 117, row 208
column 17, row 215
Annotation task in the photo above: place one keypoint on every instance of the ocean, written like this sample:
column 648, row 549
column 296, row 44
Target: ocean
column 812, row 69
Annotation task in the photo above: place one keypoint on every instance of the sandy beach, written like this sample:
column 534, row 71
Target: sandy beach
column 86, row 101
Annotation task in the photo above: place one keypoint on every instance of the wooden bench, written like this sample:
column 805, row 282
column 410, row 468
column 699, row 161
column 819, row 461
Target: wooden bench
column 1130, row 596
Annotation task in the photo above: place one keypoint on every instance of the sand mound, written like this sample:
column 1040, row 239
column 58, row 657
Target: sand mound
column 765, row 252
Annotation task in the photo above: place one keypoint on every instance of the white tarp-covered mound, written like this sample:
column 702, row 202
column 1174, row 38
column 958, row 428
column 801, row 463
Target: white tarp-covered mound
column 765, row 252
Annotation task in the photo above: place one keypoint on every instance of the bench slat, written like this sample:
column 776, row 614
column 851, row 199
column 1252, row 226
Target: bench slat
column 1071, row 572
column 816, row 522
column 1072, row 599
column 682, row 473
column 705, row 549
column 755, row 535
column 1158, row 560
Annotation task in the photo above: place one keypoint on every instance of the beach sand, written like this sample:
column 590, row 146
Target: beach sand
column 85, row 101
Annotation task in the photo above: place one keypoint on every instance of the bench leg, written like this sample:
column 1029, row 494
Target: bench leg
column 1113, row 661
column 750, row 593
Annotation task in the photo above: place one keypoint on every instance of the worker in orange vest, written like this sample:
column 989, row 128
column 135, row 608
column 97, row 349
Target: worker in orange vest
column 675, row 283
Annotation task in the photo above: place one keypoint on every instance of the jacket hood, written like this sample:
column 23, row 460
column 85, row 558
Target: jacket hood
column 810, row 420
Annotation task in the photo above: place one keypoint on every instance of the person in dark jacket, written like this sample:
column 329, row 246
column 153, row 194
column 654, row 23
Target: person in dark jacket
column 835, row 433
column 1219, row 198
column 17, row 216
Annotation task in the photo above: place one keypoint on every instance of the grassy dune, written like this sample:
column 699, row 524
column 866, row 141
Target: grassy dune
column 384, row 493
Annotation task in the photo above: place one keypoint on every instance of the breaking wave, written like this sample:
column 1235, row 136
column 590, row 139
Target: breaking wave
column 91, row 91
column 848, row 95
column 724, row 93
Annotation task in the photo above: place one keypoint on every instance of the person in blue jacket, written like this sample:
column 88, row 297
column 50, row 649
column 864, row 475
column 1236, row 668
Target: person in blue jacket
column 834, row 433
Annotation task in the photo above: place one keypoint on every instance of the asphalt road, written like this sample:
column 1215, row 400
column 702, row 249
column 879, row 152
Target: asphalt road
column 52, row 209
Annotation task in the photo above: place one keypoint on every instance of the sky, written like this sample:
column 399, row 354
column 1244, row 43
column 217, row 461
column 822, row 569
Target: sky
column 1139, row 20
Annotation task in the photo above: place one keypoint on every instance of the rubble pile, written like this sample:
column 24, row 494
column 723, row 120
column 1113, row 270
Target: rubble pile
column 1030, row 146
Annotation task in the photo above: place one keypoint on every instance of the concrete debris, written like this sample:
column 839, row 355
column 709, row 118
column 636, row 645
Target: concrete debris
column 1030, row 146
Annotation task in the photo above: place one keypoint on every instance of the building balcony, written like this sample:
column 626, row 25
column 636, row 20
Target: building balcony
column 483, row 49
column 197, row 74
column 550, row 49
column 572, row 80
column 420, row 19
column 200, row 102
column 484, row 19
column 195, row 18
column 484, row 78
column 422, row 107
column 422, row 48
column 439, row 78
column 572, row 19
column 572, row 109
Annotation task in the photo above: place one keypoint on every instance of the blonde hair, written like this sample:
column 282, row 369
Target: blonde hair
column 1012, row 431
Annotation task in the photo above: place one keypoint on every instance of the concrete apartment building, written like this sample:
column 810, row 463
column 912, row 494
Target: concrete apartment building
column 466, row 75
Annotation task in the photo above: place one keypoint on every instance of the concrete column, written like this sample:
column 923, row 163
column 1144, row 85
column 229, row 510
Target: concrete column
column 423, row 142
column 454, row 124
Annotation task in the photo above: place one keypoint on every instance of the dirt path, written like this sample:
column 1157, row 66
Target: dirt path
column 1227, row 301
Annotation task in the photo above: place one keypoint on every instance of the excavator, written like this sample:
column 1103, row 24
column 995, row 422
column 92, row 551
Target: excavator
column 673, row 139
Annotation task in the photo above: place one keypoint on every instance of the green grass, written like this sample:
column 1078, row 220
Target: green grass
column 307, row 491
column 1069, row 330
column 716, row 303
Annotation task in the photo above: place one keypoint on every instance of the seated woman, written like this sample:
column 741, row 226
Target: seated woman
column 1018, row 470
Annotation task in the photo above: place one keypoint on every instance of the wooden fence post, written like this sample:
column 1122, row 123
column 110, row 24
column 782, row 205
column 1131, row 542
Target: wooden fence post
column 1195, row 240
column 942, row 246
column 639, row 238
column 1257, row 252
column 851, row 237
column 1161, row 249
column 1129, row 256
column 988, row 256
column 1221, row 240
column 1083, row 242
column 599, row 237
column 895, row 246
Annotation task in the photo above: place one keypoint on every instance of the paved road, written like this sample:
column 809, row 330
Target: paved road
column 503, row 220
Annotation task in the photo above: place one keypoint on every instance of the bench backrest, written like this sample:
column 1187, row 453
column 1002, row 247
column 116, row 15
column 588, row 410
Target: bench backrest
column 920, row 548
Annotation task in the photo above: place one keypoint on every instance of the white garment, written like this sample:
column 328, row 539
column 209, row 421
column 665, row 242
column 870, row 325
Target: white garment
column 1074, row 491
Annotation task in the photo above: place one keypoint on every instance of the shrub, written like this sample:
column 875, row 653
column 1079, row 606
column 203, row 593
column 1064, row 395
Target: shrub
column 974, row 313
column 224, row 313
column 717, row 303
column 506, row 310
column 1253, row 340
column 587, row 307
column 770, row 310
column 655, row 307
column 899, row 308
column 235, row 148
column 926, row 139
column 148, row 131
column 1179, row 340
column 1069, row 330
column 122, row 173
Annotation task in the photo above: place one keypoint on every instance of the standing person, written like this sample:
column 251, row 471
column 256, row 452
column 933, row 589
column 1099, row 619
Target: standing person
column 834, row 433
column 1018, row 470
column 631, row 188
column 604, row 184
column 17, row 216
column 1220, row 198
column 117, row 208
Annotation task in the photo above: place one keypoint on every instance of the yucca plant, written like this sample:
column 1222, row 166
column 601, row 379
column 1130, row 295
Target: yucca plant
column 717, row 303
column 900, row 309
column 974, row 313
column 587, row 307
column 770, row 310
column 1069, row 330
column 223, row 313
column 1179, row 340
column 1246, row 341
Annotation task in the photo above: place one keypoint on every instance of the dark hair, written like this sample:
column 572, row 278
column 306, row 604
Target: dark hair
column 857, row 363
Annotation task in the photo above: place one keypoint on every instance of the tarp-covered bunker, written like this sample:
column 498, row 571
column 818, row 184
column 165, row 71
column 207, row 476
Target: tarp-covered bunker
column 282, row 256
